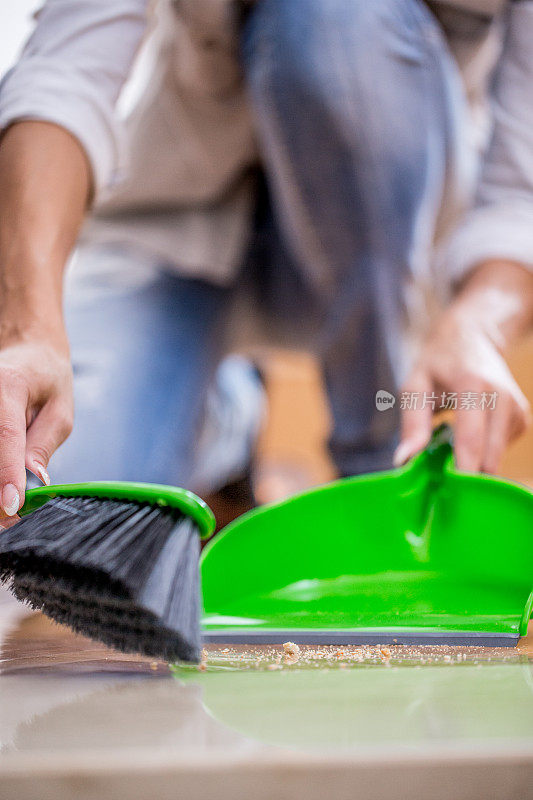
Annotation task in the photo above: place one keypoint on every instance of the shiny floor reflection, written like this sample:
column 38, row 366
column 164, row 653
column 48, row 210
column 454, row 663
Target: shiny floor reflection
column 62, row 693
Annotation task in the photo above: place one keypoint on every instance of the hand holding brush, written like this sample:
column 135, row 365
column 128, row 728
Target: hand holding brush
column 117, row 562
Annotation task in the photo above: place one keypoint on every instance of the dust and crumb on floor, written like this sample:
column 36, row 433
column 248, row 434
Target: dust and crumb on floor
column 292, row 656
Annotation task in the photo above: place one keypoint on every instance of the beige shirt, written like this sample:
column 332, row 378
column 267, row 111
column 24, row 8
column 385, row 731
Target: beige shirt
column 175, row 179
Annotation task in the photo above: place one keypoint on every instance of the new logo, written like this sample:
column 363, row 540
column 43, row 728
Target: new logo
column 384, row 400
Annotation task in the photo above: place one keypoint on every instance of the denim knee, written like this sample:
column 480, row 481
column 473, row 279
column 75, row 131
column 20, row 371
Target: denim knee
column 306, row 46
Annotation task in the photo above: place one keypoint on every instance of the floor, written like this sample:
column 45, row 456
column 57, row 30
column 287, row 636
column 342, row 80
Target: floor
column 79, row 721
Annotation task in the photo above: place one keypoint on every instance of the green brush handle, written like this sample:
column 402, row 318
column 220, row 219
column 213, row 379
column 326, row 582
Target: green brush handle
column 153, row 494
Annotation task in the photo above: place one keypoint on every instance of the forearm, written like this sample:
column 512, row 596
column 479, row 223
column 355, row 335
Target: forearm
column 70, row 73
column 44, row 189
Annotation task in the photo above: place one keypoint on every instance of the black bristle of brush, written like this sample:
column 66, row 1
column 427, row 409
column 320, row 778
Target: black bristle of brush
column 123, row 573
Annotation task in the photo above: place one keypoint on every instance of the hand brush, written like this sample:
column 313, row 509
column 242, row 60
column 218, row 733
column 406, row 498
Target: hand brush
column 117, row 562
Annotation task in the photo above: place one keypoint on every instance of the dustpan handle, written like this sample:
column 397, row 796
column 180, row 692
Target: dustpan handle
column 438, row 452
column 442, row 437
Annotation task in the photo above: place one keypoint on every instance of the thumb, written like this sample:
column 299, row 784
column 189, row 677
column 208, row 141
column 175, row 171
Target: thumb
column 48, row 430
column 12, row 446
column 416, row 417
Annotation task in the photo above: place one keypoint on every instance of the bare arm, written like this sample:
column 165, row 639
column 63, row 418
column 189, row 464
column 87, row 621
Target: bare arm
column 69, row 76
column 44, row 189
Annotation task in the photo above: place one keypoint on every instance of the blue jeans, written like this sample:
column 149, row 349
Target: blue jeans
column 358, row 113
column 360, row 116
column 145, row 344
column 152, row 401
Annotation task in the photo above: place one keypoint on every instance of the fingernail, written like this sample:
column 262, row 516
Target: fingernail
column 43, row 474
column 403, row 451
column 10, row 500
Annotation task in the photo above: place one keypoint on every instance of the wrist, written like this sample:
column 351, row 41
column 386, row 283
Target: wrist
column 30, row 302
column 31, row 317
column 496, row 298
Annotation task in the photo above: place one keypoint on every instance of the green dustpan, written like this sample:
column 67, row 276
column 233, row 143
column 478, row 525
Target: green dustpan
column 418, row 555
